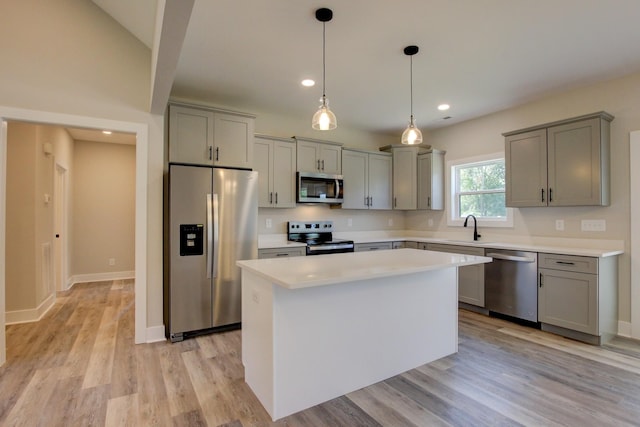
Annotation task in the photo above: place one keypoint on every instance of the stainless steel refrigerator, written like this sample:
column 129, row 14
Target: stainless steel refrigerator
column 211, row 220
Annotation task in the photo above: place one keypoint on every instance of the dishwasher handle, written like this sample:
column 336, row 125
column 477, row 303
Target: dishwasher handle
column 510, row 257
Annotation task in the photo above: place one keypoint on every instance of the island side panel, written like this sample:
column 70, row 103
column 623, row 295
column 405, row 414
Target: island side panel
column 257, row 337
column 332, row 340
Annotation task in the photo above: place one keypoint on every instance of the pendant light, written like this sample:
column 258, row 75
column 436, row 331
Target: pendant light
column 324, row 119
column 411, row 134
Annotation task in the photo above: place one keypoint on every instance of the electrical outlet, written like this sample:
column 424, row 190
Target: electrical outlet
column 268, row 223
column 112, row 261
column 349, row 222
column 390, row 222
column 430, row 222
column 594, row 225
column 560, row 224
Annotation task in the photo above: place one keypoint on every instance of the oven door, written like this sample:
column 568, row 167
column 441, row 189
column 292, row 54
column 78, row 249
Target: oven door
column 319, row 188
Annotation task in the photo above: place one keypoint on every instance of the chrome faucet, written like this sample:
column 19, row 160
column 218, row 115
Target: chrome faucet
column 476, row 236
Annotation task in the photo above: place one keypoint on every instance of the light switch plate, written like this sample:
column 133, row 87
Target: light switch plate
column 349, row 222
column 594, row 225
column 560, row 224
column 268, row 223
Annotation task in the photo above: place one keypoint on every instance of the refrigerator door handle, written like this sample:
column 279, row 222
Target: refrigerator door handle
column 209, row 235
column 216, row 240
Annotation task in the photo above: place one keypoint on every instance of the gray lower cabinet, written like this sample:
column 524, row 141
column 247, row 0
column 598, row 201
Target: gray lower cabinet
column 374, row 246
column 577, row 296
column 281, row 252
column 470, row 277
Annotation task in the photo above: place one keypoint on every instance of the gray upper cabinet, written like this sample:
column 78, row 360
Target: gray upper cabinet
column 319, row 156
column 210, row 137
column 431, row 180
column 275, row 161
column 418, row 177
column 564, row 163
column 367, row 179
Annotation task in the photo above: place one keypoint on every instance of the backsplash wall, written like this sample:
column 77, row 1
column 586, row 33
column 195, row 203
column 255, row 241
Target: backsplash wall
column 361, row 220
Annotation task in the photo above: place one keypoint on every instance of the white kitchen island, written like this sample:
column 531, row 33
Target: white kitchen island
column 318, row 327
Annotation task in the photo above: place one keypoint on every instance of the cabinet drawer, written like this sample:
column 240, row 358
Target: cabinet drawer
column 466, row 250
column 281, row 252
column 578, row 264
column 373, row 246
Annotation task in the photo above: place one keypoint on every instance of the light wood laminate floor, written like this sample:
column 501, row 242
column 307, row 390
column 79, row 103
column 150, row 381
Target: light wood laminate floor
column 78, row 366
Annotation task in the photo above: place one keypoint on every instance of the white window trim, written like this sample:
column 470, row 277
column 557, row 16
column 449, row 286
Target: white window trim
column 450, row 203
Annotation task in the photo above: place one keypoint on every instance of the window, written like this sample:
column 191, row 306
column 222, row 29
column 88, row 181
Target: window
column 478, row 188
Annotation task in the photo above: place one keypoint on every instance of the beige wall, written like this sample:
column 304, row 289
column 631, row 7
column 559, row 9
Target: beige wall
column 97, row 70
column 29, row 230
column 620, row 97
column 103, row 208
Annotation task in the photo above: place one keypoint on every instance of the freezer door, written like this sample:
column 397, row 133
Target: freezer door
column 189, row 287
column 235, row 225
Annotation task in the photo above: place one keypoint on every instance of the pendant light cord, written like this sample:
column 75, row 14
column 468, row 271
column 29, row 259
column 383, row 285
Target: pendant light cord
column 324, row 68
column 411, row 83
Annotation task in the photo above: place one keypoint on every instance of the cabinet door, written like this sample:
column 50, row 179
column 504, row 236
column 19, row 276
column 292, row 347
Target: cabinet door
column 568, row 299
column 356, row 171
column 405, row 165
column 380, row 178
column 431, row 181
column 330, row 159
column 526, row 169
column 263, row 163
column 190, row 135
column 574, row 160
column 283, row 174
column 233, row 141
column 307, row 157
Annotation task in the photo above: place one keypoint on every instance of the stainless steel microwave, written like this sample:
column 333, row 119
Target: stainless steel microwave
column 319, row 188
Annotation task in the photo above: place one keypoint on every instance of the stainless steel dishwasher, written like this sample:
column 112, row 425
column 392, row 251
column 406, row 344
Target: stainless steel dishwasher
column 511, row 283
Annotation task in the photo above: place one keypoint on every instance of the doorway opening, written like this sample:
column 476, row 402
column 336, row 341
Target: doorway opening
column 141, row 132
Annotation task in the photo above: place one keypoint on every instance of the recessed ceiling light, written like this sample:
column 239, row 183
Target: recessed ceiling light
column 308, row 83
column 443, row 107
column 106, row 132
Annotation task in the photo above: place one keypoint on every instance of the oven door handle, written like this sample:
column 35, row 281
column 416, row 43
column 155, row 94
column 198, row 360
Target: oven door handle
column 337, row 196
column 510, row 257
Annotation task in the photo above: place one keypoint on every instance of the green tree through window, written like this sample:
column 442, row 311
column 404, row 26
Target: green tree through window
column 480, row 189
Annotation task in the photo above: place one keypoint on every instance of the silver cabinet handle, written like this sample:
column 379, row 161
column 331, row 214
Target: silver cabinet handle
column 209, row 235
column 510, row 257
column 565, row 263
column 282, row 254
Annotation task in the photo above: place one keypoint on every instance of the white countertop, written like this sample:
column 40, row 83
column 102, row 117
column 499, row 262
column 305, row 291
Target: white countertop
column 304, row 272
column 579, row 247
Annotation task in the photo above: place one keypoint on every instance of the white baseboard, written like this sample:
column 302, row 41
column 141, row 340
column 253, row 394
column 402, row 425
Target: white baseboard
column 155, row 334
column 32, row 314
column 624, row 329
column 100, row 277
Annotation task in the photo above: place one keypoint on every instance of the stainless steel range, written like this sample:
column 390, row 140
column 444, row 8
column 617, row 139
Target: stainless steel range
column 318, row 235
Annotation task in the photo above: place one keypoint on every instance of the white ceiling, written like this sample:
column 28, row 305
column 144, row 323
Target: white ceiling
column 96, row 135
column 480, row 56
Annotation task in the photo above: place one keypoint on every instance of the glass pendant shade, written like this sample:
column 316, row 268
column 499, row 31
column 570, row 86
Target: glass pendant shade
column 412, row 134
column 324, row 119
